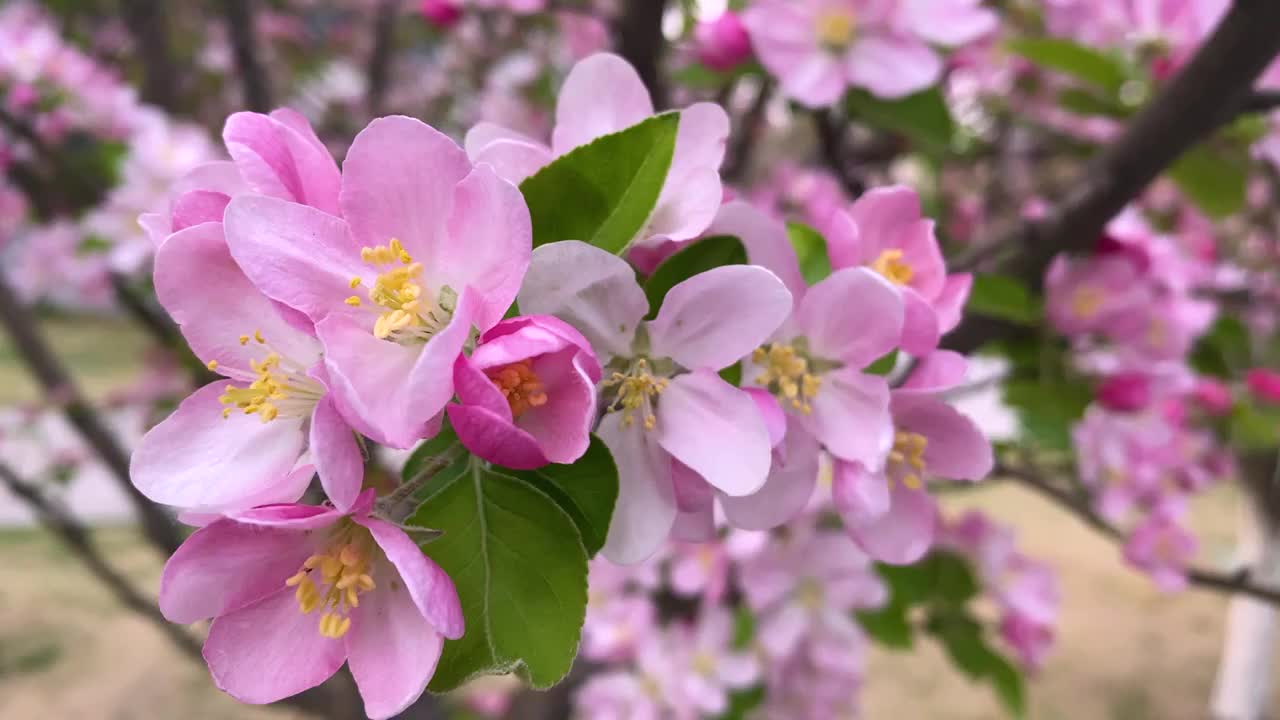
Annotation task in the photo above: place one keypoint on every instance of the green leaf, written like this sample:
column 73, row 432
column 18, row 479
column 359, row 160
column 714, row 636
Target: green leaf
column 1047, row 409
column 603, row 193
column 1213, row 178
column 811, row 251
column 1091, row 66
column 922, row 117
column 586, row 490
column 888, row 626
column 742, row 703
column 521, row 574
column 1254, row 427
column 963, row 638
column 1085, row 102
column 1003, row 297
column 1224, row 350
column 884, row 365
column 701, row 256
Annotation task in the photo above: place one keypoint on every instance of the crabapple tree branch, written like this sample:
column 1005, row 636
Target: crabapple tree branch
column 1202, row 97
column 244, row 44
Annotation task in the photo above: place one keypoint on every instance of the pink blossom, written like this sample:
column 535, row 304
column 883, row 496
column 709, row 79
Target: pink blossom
column 258, row 438
column 391, row 287
column 441, row 13
column 722, row 44
column 1125, row 392
column 1162, row 547
column 385, row 608
column 668, row 411
column 603, row 94
column 527, row 393
column 885, row 231
column 1264, row 384
column 887, row 509
column 1212, row 396
column 817, row 48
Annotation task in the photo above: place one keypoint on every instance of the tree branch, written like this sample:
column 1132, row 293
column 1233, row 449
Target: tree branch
column 640, row 41
column 59, row 521
column 738, row 158
column 244, row 44
column 58, row 385
column 831, row 139
column 148, row 22
column 1236, row 582
column 1202, row 97
column 379, row 72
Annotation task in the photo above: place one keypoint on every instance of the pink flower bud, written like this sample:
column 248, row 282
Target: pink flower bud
column 21, row 96
column 1125, row 392
column 1264, row 384
column 1213, row 397
column 441, row 13
column 723, row 43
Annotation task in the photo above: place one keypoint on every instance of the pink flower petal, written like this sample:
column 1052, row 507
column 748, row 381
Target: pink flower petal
column 198, row 206
column 277, row 160
column 514, row 160
column 860, row 495
column 392, row 651
column 646, row 507
column 490, row 238
column 198, row 460
column 717, row 317
column 891, row 66
column 936, row 372
column 295, row 254
column 493, row 438
column 602, row 95
column 919, row 324
column 715, row 429
column 225, row 566
column 951, row 301
column 398, row 182
column 429, row 586
column 765, row 240
column 902, row 535
column 785, row 493
column 957, row 449
column 855, row 338
column 337, row 457
column 270, row 650
column 851, row 417
column 592, row 290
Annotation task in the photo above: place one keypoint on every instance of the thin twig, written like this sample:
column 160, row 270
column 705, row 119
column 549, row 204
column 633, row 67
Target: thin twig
column 831, row 136
column 379, row 72
column 58, row 520
column 738, row 158
column 58, row 385
column 244, row 44
column 1234, row 582
column 148, row 22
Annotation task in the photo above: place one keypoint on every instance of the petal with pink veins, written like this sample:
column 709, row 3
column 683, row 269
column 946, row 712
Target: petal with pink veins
column 851, row 417
column 392, row 650
column 270, row 650
column 853, row 316
column 717, row 317
column 602, row 95
column 398, row 182
column 198, row 460
column 715, row 429
column 430, row 588
column 225, row 566
column 785, row 493
column 337, row 457
column 765, row 240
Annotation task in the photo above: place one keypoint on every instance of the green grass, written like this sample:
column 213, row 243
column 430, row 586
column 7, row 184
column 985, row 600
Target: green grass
column 103, row 353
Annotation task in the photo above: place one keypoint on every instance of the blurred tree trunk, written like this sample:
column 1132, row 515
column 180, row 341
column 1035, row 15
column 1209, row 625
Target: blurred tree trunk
column 148, row 22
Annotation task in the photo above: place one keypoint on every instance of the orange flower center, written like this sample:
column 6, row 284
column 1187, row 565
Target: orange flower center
column 520, row 386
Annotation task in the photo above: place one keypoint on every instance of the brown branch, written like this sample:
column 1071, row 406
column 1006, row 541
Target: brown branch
column 738, row 158
column 148, row 22
column 379, row 71
column 640, row 41
column 58, row 385
column 244, row 44
column 1236, row 582
column 58, row 520
column 831, row 139
column 1200, row 99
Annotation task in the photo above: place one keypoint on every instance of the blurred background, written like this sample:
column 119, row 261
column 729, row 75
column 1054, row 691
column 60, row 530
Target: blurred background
column 106, row 104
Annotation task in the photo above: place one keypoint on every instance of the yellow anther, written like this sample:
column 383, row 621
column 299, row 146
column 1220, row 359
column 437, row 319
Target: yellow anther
column 212, row 365
column 906, row 459
column 355, row 283
column 334, row 578
column 836, row 28
column 353, row 301
column 636, row 390
column 1087, row 301
column 257, row 336
column 520, row 385
column 786, row 372
column 894, row 269
column 244, row 339
column 406, row 316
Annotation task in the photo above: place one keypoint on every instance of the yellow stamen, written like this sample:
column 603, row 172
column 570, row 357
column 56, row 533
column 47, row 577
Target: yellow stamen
column 906, row 459
column 274, row 382
column 837, row 28
column 212, row 364
column 1087, row 301
column 407, row 315
column 786, row 372
column 353, row 301
column 334, row 579
column 894, row 269
column 244, row 339
column 520, row 385
column 637, row 389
